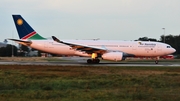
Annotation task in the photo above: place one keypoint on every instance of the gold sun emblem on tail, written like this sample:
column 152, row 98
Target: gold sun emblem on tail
column 19, row 21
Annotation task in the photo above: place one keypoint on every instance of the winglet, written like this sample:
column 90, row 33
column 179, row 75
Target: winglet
column 56, row 39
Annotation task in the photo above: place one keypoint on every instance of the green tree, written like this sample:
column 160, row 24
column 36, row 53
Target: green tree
column 23, row 50
column 146, row 39
column 9, row 50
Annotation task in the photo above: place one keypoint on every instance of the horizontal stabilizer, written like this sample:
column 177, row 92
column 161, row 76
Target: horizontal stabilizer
column 21, row 41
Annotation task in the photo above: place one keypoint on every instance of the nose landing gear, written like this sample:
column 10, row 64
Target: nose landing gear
column 157, row 60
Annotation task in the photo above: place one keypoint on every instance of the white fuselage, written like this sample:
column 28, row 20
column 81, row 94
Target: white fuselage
column 137, row 48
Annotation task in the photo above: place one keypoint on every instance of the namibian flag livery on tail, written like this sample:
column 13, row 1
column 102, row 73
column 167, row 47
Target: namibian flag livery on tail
column 25, row 31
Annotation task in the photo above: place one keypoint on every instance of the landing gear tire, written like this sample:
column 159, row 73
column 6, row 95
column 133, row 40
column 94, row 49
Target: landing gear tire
column 96, row 61
column 156, row 62
column 89, row 61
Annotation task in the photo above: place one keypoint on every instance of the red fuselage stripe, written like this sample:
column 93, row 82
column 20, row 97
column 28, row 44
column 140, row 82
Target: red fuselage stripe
column 29, row 35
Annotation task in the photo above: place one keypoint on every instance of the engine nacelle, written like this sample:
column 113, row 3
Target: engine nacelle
column 114, row 56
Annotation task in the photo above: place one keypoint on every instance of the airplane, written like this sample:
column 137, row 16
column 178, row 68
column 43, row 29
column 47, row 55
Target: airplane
column 96, row 50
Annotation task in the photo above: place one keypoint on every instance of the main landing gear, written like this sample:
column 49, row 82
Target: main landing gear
column 93, row 61
column 94, row 58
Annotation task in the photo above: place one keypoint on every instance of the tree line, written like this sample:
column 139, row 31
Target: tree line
column 9, row 50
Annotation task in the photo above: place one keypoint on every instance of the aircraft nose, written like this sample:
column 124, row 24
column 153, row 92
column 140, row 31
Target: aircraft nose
column 173, row 50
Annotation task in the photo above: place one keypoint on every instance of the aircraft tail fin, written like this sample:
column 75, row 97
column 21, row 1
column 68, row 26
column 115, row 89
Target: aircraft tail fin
column 24, row 30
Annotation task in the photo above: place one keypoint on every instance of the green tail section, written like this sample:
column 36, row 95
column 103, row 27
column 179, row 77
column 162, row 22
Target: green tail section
column 36, row 37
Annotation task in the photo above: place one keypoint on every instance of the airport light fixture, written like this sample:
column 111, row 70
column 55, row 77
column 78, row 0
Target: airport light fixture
column 164, row 34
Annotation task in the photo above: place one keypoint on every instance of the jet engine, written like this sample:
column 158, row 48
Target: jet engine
column 114, row 56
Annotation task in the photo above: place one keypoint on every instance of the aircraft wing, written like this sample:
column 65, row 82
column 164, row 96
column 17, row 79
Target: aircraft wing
column 87, row 49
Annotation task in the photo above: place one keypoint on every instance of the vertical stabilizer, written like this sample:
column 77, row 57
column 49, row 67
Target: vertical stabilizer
column 24, row 30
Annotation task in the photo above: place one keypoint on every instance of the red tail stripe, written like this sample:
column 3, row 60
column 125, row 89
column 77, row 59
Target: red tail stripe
column 29, row 35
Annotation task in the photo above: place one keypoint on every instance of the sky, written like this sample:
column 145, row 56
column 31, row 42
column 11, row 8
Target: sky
column 92, row 19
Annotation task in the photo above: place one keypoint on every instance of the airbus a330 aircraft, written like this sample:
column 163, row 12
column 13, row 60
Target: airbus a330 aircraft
column 95, row 49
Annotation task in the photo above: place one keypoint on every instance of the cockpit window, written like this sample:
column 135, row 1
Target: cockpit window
column 168, row 46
